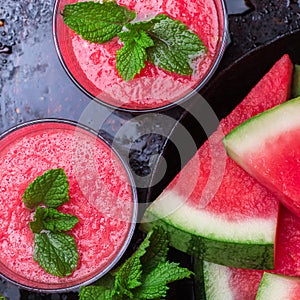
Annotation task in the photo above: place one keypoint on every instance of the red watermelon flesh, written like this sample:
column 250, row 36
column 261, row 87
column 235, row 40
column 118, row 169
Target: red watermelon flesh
column 268, row 147
column 242, row 284
column 287, row 247
column 223, row 282
column 237, row 195
column 213, row 204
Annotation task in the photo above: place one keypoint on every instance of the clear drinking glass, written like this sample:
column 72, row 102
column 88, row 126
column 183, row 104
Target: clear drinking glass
column 92, row 67
column 102, row 196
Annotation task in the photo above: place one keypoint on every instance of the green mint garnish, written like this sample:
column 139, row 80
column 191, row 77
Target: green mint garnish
column 163, row 41
column 51, row 189
column 157, row 252
column 56, row 253
column 96, row 293
column 144, row 275
column 132, row 56
column 155, row 283
column 2, row 297
column 174, row 45
column 105, row 291
column 51, row 219
column 129, row 275
column 97, row 22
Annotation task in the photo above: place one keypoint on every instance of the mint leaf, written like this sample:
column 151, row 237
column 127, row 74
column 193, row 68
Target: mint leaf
column 51, row 219
column 95, row 293
column 104, row 290
column 97, row 22
column 132, row 56
column 128, row 276
column 2, row 297
column 56, row 253
column 157, row 271
column 157, row 251
column 51, row 189
column 155, row 283
column 174, row 45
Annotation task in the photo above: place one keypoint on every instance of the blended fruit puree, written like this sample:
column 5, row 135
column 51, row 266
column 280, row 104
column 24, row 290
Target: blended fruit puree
column 94, row 65
column 100, row 196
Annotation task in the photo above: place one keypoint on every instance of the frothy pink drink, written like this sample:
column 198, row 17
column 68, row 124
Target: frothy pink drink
column 101, row 196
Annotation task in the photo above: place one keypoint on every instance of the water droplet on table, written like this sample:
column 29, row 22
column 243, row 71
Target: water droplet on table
column 6, row 49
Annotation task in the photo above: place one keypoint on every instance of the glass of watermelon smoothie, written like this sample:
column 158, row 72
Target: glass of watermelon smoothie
column 92, row 66
column 102, row 197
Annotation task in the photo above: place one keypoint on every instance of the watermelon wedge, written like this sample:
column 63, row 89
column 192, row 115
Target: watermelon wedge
column 278, row 287
column 268, row 147
column 214, row 282
column 221, row 282
column 226, row 217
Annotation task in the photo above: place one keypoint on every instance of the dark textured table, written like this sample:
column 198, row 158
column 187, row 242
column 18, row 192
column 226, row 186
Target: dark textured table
column 34, row 85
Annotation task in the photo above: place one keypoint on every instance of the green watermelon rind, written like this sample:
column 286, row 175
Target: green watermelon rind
column 252, row 136
column 236, row 136
column 296, row 82
column 199, row 287
column 238, row 254
column 274, row 286
column 211, row 281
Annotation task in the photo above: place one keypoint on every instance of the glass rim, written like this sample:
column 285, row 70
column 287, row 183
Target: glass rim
column 224, row 41
column 133, row 220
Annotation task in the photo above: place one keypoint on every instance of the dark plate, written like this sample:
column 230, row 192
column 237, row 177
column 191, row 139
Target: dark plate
column 222, row 94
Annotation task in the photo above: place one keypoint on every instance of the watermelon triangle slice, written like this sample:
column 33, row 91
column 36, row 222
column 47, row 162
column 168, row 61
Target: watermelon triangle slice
column 226, row 217
column 268, row 147
column 221, row 282
column 278, row 287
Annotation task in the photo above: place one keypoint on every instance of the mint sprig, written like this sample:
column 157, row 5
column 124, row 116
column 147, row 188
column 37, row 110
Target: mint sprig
column 103, row 289
column 51, row 189
column 51, row 219
column 129, row 275
column 163, row 41
column 54, row 250
column 132, row 56
column 97, row 293
column 145, row 275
